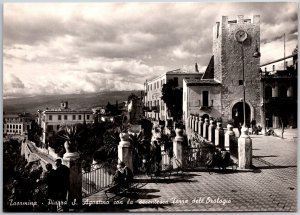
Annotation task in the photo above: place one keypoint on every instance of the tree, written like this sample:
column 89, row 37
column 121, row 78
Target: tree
column 132, row 96
column 35, row 133
column 172, row 96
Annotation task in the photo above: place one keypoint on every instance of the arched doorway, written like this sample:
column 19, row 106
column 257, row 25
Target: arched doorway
column 205, row 116
column 238, row 114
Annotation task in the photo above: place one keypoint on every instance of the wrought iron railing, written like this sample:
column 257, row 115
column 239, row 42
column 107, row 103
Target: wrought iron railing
column 233, row 147
column 97, row 178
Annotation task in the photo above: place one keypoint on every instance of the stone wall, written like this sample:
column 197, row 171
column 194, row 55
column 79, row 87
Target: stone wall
column 228, row 64
column 195, row 101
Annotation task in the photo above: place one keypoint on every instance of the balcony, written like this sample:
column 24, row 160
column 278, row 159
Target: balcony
column 155, row 108
column 146, row 109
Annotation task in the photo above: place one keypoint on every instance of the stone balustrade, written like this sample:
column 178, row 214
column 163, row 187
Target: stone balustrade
column 205, row 129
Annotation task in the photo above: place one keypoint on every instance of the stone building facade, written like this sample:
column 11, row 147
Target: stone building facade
column 279, row 83
column 52, row 120
column 155, row 108
column 222, row 82
column 17, row 123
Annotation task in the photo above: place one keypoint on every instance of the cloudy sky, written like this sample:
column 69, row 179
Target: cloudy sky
column 57, row 48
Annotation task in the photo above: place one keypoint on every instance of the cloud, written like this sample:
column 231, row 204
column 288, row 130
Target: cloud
column 90, row 47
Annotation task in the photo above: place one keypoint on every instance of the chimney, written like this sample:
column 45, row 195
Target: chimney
column 196, row 67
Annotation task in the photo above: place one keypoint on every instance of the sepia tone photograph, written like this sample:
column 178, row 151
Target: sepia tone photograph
column 150, row 107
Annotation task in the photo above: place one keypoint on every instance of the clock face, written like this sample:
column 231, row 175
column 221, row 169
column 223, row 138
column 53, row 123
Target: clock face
column 241, row 36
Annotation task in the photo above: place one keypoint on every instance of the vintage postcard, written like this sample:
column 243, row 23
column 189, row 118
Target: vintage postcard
column 150, row 107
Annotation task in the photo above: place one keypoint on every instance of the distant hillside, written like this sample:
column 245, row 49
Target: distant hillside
column 76, row 101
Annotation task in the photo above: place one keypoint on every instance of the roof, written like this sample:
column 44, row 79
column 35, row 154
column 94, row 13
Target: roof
column 201, row 82
column 210, row 71
column 175, row 72
column 68, row 111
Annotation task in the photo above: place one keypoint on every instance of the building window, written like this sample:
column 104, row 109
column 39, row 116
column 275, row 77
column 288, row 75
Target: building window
column 157, row 84
column 74, row 117
column 20, row 127
column 13, row 126
column 50, row 128
column 59, row 117
column 65, row 117
column 87, row 117
column 50, row 117
column 57, row 127
column 268, row 92
column 150, row 86
column 283, row 92
column 205, row 98
column 176, row 81
column 79, row 117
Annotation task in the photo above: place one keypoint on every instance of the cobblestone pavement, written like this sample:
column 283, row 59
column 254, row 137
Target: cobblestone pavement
column 271, row 186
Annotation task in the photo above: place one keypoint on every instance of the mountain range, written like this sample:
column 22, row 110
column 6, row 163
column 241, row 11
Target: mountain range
column 76, row 101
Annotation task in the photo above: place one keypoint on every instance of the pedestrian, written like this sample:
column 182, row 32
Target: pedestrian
column 119, row 176
column 158, row 157
column 128, row 175
column 50, row 181
column 62, row 184
column 240, row 128
column 253, row 123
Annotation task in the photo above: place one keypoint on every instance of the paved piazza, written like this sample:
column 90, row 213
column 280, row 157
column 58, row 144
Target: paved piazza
column 271, row 186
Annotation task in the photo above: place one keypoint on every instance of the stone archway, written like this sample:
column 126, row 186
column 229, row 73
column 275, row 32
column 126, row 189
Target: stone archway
column 252, row 112
column 238, row 114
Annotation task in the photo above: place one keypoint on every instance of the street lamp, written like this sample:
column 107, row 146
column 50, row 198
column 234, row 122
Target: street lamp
column 241, row 36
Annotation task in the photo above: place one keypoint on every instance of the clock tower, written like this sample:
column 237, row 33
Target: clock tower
column 233, row 39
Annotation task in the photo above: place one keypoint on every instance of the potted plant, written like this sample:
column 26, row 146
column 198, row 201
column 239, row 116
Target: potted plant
column 230, row 123
column 219, row 121
column 179, row 129
column 123, row 129
column 70, row 136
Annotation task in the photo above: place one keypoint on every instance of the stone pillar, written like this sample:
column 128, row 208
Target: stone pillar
column 205, row 128
column 178, row 149
column 200, row 127
column 290, row 91
column 125, row 150
column 219, row 136
column 245, row 149
column 211, row 132
column 190, row 121
column 275, row 90
column 263, row 119
column 196, row 124
column 228, row 135
column 275, row 121
column 23, row 147
column 73, row 161
column 193, row 123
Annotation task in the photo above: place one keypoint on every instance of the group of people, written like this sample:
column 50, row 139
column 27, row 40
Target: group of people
column 123, row 176
column 217, row 158
column 57, row 182
column 254, row 129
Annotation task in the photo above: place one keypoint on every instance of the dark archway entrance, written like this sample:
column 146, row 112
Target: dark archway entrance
column 238, row 114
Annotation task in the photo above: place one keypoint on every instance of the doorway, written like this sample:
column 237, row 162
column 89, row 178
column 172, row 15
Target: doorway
column 238, row 114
